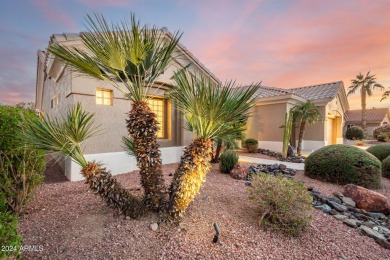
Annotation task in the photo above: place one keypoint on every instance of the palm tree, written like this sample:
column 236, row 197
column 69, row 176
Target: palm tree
column 385, row 95
column 366, row 84
column 210, row 111
column 66, row 136
column 130, row 57
column 226, row 142
column 305, row 113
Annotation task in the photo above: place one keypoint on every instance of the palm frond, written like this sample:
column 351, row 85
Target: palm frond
column 128, row 145
column 385, row 95
column 123, row 52
column 64, row 135
column 212, row 110
column 307, row 112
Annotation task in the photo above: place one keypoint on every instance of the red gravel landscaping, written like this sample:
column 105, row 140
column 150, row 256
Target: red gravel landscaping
column 70, row 222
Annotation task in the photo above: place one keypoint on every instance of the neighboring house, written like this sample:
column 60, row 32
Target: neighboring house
column 57, row 88
column 375, row 117
column 273, row 103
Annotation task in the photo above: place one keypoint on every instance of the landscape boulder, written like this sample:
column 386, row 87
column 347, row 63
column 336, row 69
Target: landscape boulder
column 239, row 173
column 367, row 199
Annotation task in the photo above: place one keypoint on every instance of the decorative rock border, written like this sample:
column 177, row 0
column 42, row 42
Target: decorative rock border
column 372, row 224
column 279, row 157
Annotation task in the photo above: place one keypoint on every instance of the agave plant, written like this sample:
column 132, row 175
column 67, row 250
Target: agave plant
column 211, row 111
column 66, row 136
column 134, row 56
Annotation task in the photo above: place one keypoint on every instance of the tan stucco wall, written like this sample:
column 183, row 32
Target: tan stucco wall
column 316, row 131
column 265, row 122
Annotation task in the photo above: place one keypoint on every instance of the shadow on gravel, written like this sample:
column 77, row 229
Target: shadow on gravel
column 54, row 173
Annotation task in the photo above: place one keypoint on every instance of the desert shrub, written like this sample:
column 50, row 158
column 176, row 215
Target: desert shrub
column 283, row 203
column 227, row 161
column 10, row 239
column 343, row 164
column 20, row 168
column 379, row 130
column 354, row 133
column 380, row 151
column 359, row 143
column 250, row 144
column 384, row 137
column 386, row 167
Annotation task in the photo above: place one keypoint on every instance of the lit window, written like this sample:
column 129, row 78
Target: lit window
column 157, row 105
column 104, row 97
column 55, row 101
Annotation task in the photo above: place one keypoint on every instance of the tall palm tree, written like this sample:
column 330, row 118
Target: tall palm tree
column 210, row 111
column 66, row 136
column 366, row 84
column 305, row 114
column 130, row 57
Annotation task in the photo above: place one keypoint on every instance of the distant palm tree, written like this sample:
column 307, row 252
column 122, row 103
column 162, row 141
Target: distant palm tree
column 385, row 95
column 366, row 84
column 211, row 112
column 66, row 136
column 305, row 114
column 135, row 56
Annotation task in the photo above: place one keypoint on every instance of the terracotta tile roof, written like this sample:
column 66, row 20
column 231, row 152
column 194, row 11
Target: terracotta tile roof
column 375, row 115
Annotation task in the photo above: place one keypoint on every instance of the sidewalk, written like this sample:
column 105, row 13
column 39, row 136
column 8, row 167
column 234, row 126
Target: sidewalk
column 295, row 166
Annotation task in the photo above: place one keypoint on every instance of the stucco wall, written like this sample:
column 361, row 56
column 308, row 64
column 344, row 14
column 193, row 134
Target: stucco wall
column 265, row 122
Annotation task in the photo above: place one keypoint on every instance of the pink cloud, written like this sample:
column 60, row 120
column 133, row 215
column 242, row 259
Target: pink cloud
column 96, row 3
column 54, row 14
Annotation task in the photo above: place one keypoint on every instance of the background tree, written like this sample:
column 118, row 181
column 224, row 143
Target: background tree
column 135, row 56
column 366, row 84
column 211, row 112
column 305, row 113
column 227, row 142
column 385, row 95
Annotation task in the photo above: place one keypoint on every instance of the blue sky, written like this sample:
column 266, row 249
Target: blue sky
column 281, row 43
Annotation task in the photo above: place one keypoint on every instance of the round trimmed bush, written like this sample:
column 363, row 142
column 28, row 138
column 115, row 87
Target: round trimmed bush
column 227, row 161
column 380, row 151
column 250, row 144
column 354, row 133
column 344, row 164
column 379, row 130
column 386, row 167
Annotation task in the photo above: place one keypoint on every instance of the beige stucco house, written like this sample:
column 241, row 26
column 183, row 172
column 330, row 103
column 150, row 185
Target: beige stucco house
column 375, row 117
column 273, row 103
column 57, row 88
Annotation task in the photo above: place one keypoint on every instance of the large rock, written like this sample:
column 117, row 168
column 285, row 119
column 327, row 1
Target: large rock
column 239, row 173
column 367, row 199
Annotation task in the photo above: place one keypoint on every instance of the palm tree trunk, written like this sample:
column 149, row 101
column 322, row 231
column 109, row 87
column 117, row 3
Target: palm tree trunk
column 189, row 176
column 142, row 126
column 118, row 198
column 364, row 111
column 300, row 138
column 217, row 151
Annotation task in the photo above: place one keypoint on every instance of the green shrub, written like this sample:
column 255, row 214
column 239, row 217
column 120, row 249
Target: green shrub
column 380, row 151
column 20, row 168
column 344, row 164
column 283, row 203
column 354, row 133
column 250, row 144
column 384, row 137
column 381, row 129
column 10, row 239
column 386, row 167
column 227, row 161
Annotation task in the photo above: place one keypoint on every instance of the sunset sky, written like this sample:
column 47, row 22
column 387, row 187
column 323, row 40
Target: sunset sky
column 283, row 43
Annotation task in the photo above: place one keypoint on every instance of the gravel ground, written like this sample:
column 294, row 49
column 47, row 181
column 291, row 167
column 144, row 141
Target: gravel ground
column 70, row 222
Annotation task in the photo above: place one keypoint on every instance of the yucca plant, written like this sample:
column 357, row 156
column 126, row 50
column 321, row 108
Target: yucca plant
column 211, row 111
column 135, row 56
column 66, row 136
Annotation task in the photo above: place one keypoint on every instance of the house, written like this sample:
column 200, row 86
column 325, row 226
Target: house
column 273, row 103
column 375, row 117
column 57, row 88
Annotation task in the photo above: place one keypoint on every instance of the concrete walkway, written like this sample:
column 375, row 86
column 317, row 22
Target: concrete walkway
column 295, row 166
